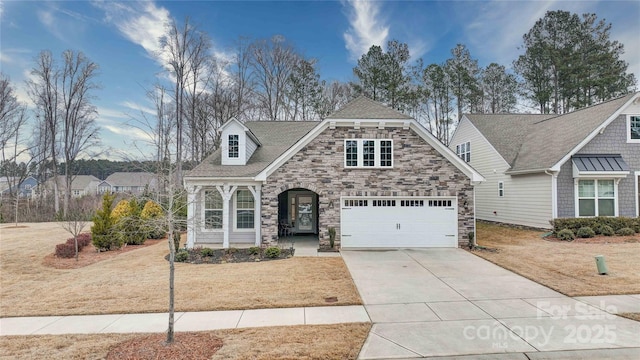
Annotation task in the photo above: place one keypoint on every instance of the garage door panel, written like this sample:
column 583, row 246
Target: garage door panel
column 399, row 222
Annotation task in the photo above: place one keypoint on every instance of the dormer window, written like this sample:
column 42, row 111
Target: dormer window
column 234, row 146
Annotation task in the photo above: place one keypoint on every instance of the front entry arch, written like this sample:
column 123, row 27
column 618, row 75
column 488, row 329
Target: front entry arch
column 298, row 212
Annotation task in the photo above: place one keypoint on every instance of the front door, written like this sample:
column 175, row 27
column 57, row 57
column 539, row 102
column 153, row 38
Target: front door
column 303, row 211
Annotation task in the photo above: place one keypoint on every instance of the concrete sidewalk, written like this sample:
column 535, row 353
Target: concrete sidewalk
column 184, row 321
column 450, row 303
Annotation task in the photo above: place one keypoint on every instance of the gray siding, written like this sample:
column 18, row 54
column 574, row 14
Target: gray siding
column 527, row 198
column 203, row 237
column 612, row 141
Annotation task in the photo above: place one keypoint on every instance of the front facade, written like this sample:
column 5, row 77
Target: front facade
column 540, row 167
column 129, row 182
column 373, row 175
column 81, row 185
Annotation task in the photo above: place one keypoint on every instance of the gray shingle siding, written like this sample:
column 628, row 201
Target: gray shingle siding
column 612, row 141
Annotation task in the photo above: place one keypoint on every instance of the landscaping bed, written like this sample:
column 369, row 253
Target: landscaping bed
column 231, row 255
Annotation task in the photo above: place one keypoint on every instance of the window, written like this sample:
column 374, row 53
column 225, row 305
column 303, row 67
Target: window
column 368, row 153
column 464, row 151
column 596, row 198
column 234, row 150
column 244, row 209
column 633, row 128
column 356, row 203
column 212, row 210
column 501, row 188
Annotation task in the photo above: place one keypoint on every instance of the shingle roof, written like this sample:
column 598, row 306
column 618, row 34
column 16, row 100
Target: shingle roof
column 139, row 179
column 365, row 108
column 275, row 138
column 506, row 132
column 544, row 139
column 79, row 182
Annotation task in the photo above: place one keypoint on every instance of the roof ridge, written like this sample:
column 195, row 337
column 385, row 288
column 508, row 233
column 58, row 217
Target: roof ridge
column 590, row 107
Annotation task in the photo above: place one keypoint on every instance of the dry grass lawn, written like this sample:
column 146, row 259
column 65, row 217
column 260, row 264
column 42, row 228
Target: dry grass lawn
column 137, row 281
column 341, row 341
column 567, row 267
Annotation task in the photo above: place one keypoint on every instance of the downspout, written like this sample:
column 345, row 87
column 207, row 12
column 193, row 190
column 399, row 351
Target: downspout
column 554, row 192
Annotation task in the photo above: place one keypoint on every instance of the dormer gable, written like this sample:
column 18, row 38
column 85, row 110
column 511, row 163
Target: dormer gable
column 237, row 143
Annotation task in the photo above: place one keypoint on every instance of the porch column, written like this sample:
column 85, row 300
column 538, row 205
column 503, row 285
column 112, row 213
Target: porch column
column 257, row 201
column 192, row 195
column 226, row 191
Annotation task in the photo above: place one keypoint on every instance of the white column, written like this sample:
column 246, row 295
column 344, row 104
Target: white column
column 257, row 200
column 227, row 193
column 192, row 196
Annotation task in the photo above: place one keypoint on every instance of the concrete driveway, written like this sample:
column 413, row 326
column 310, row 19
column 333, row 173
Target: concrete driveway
column 448, row 302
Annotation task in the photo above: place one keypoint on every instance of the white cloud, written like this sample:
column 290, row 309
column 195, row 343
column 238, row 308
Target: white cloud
column 366, row 27
column 142, row 23
column 130, row 132
column 139, row 108
column 629, row 37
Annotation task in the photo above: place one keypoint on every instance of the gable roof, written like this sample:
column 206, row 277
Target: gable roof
column 535, row 143
column 365, row 108
column 139, row 179
column 506, row 132
column 78, row 182
column 275, row 138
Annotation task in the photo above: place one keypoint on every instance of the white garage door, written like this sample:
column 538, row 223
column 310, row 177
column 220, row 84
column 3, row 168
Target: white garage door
column 399, row 222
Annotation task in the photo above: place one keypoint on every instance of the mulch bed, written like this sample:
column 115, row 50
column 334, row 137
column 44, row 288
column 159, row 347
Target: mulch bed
column 187, row 346
column 89, row 255
column 232, row 255
column 599, row 239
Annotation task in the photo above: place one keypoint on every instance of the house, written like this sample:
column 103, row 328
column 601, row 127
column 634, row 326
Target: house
column 81, row 185
column 541, row 167
column 375, row 175
column 129, row 182
column 25, row 187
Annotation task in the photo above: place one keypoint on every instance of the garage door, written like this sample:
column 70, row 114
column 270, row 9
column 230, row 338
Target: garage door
column 399, row 222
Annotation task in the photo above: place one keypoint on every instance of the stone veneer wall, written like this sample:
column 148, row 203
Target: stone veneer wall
column 418, row 170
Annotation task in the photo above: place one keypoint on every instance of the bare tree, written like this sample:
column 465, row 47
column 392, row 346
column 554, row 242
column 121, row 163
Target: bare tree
column 74, row 222
column 79, row 130
column 12, row 123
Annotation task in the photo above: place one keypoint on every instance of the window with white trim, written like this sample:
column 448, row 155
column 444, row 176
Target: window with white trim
column 367, row 153
column 633, row 128
column 596, row 197
column 245, row 208
column 464, row 151
column 234, row 148
column 500, row 188
column 212, row 210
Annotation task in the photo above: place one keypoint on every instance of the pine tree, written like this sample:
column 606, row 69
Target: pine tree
column 102, row 229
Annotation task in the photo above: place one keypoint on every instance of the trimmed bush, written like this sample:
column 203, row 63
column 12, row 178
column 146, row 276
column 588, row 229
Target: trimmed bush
column 127, row 223
column 153, row 222
column 66, row 250
column 566, row 235
column 625, row 232
column 182, row 255
column 102, row 229
column 206, row 252
column 254, row 250
column 272, row 252
column 606, row 230
column 585, row 232
column 574, row 224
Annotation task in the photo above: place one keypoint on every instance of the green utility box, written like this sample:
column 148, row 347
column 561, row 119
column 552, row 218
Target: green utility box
column 602, row 265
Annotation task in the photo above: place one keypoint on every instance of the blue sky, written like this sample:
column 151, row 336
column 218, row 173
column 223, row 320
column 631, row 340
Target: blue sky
column 122, row 37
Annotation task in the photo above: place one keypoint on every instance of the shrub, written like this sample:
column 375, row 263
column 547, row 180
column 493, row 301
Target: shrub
column 575, row 224
column 232, row 250
column 585, row 232
column 206, row 252
column 182, row 255
column 254, row 250
column 121, row 210
column 332, row 236
column 566, row 235
column 66, row 250
column 127, row 223
column 625, row 232
column 272, row 252
column 606, row 230
column 152, row 220
column 102, row 229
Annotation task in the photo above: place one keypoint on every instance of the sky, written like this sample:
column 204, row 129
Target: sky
column 122, row 38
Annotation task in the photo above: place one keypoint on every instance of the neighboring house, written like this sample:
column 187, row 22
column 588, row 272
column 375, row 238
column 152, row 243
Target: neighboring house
column 129, row 182
column 376, row 176
column 104, row 187
column 81, row 185
column 25, row 188
column 541, row 167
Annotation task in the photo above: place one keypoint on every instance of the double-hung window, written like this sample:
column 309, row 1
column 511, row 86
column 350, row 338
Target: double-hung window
column 368, row 153
column 596, row 197
column 245, row 208
column 501, row 188
column 633, row 128
column 212, row 210
column 464, row 151
column 234, row 149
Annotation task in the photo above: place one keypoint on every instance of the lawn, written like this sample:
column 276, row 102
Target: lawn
column 567, row 267
column 137, row 281
column 341, row 341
